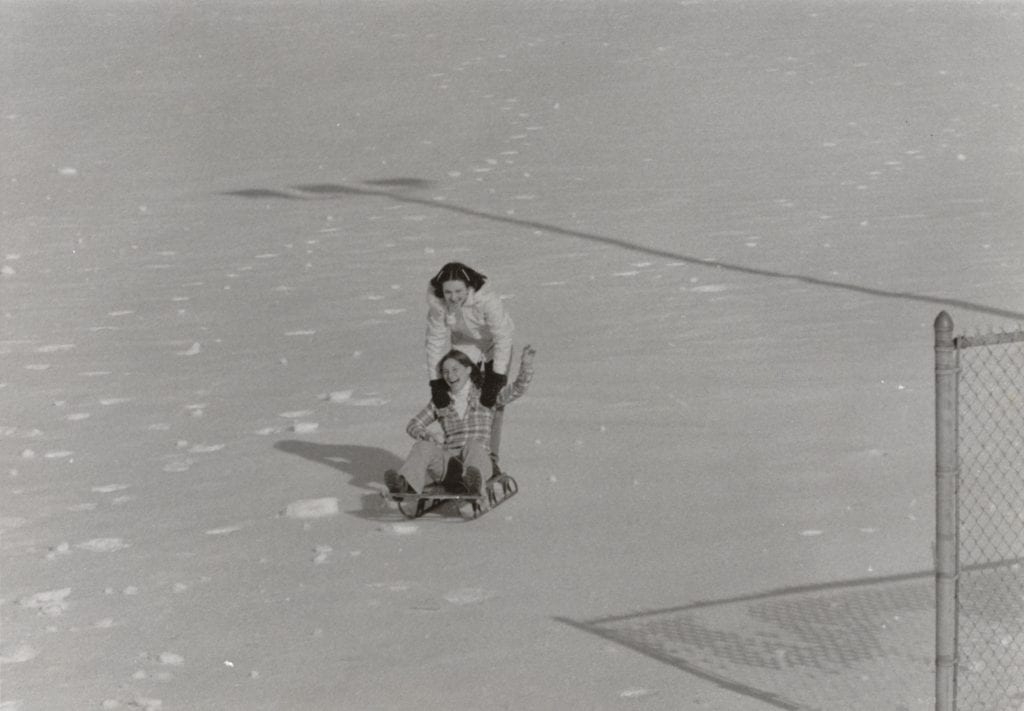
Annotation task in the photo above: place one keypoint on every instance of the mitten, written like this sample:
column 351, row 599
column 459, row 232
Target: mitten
column 493, row 383
column 439, row 393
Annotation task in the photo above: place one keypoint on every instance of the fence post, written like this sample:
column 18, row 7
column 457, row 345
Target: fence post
column 947, row 471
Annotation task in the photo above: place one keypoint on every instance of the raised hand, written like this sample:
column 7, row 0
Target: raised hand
column 526, row 362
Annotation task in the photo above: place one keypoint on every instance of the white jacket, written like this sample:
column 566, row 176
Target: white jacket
column 481, row 322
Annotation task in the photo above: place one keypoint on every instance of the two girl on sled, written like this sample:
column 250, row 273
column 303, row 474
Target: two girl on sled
column 469, row 349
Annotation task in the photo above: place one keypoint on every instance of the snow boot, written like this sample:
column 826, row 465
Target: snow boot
column 396, row 483
column 452, row 481
column 474, row 481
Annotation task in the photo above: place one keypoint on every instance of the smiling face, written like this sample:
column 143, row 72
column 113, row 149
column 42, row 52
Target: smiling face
column 455, row 374
column 455, row 293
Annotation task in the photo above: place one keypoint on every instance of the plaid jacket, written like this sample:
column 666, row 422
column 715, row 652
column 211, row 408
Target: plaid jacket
column 477, row 422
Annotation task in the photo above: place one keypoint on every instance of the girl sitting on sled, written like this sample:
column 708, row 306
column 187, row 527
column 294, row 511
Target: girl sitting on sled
column 465, row 423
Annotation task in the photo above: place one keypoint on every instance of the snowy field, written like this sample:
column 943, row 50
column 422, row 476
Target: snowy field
column 726, row 227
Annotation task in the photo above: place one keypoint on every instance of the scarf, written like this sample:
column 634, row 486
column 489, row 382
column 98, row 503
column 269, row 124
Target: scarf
column 460, row 400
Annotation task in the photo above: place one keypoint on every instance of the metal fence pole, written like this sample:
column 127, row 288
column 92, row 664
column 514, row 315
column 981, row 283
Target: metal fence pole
column 947, row 466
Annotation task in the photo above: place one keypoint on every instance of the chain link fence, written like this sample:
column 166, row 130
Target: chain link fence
column 983, row 657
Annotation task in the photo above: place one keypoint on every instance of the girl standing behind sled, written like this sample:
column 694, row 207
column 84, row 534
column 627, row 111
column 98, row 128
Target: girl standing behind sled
column 463, row 311
column 466, row 423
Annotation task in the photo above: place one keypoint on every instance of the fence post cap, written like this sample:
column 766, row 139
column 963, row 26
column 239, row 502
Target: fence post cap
column 943, row 322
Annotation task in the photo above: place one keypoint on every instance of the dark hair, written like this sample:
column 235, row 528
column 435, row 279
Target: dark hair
column 456, row 271
column 475, row 376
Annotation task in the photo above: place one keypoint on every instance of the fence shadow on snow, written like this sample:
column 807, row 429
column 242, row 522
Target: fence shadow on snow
column 858, row 645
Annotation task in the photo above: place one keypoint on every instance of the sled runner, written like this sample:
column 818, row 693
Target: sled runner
column 497, row 490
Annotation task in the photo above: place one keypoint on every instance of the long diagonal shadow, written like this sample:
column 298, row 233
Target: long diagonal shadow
column 379, row 189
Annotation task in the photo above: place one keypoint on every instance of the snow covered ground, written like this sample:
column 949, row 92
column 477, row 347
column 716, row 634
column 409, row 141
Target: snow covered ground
column 727, row 228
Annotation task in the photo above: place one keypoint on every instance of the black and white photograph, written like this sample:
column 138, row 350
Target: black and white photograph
column 511, row 355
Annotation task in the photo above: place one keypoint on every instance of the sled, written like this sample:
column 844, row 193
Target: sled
column 497, row 490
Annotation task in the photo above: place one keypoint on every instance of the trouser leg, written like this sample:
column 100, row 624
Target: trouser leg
column 476, row 454
column 424, row 464
column 499, row 416
column 499, row 413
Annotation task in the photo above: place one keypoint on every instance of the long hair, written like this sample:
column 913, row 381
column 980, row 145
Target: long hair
column 456, row 271
column 475, row 376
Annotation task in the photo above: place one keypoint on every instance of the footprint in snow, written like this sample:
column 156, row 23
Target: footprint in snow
column 171, row 659
column 51, row 603
column 223, row 530
column 312, row 508
column 61, row 549
column 402, row 529
column 15, row 654
column 109, row 488
column 16, row 432
column 103, row 545
column 59, row 454
column 205, row 448
column 103, row 624
column 469, row 596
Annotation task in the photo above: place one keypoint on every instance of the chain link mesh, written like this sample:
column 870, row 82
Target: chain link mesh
column 990, row 602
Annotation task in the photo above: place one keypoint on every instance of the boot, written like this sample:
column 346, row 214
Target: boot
column 474, row 481
column 396, row 484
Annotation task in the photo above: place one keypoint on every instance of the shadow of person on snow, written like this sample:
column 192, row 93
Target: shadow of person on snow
column 364, row 466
